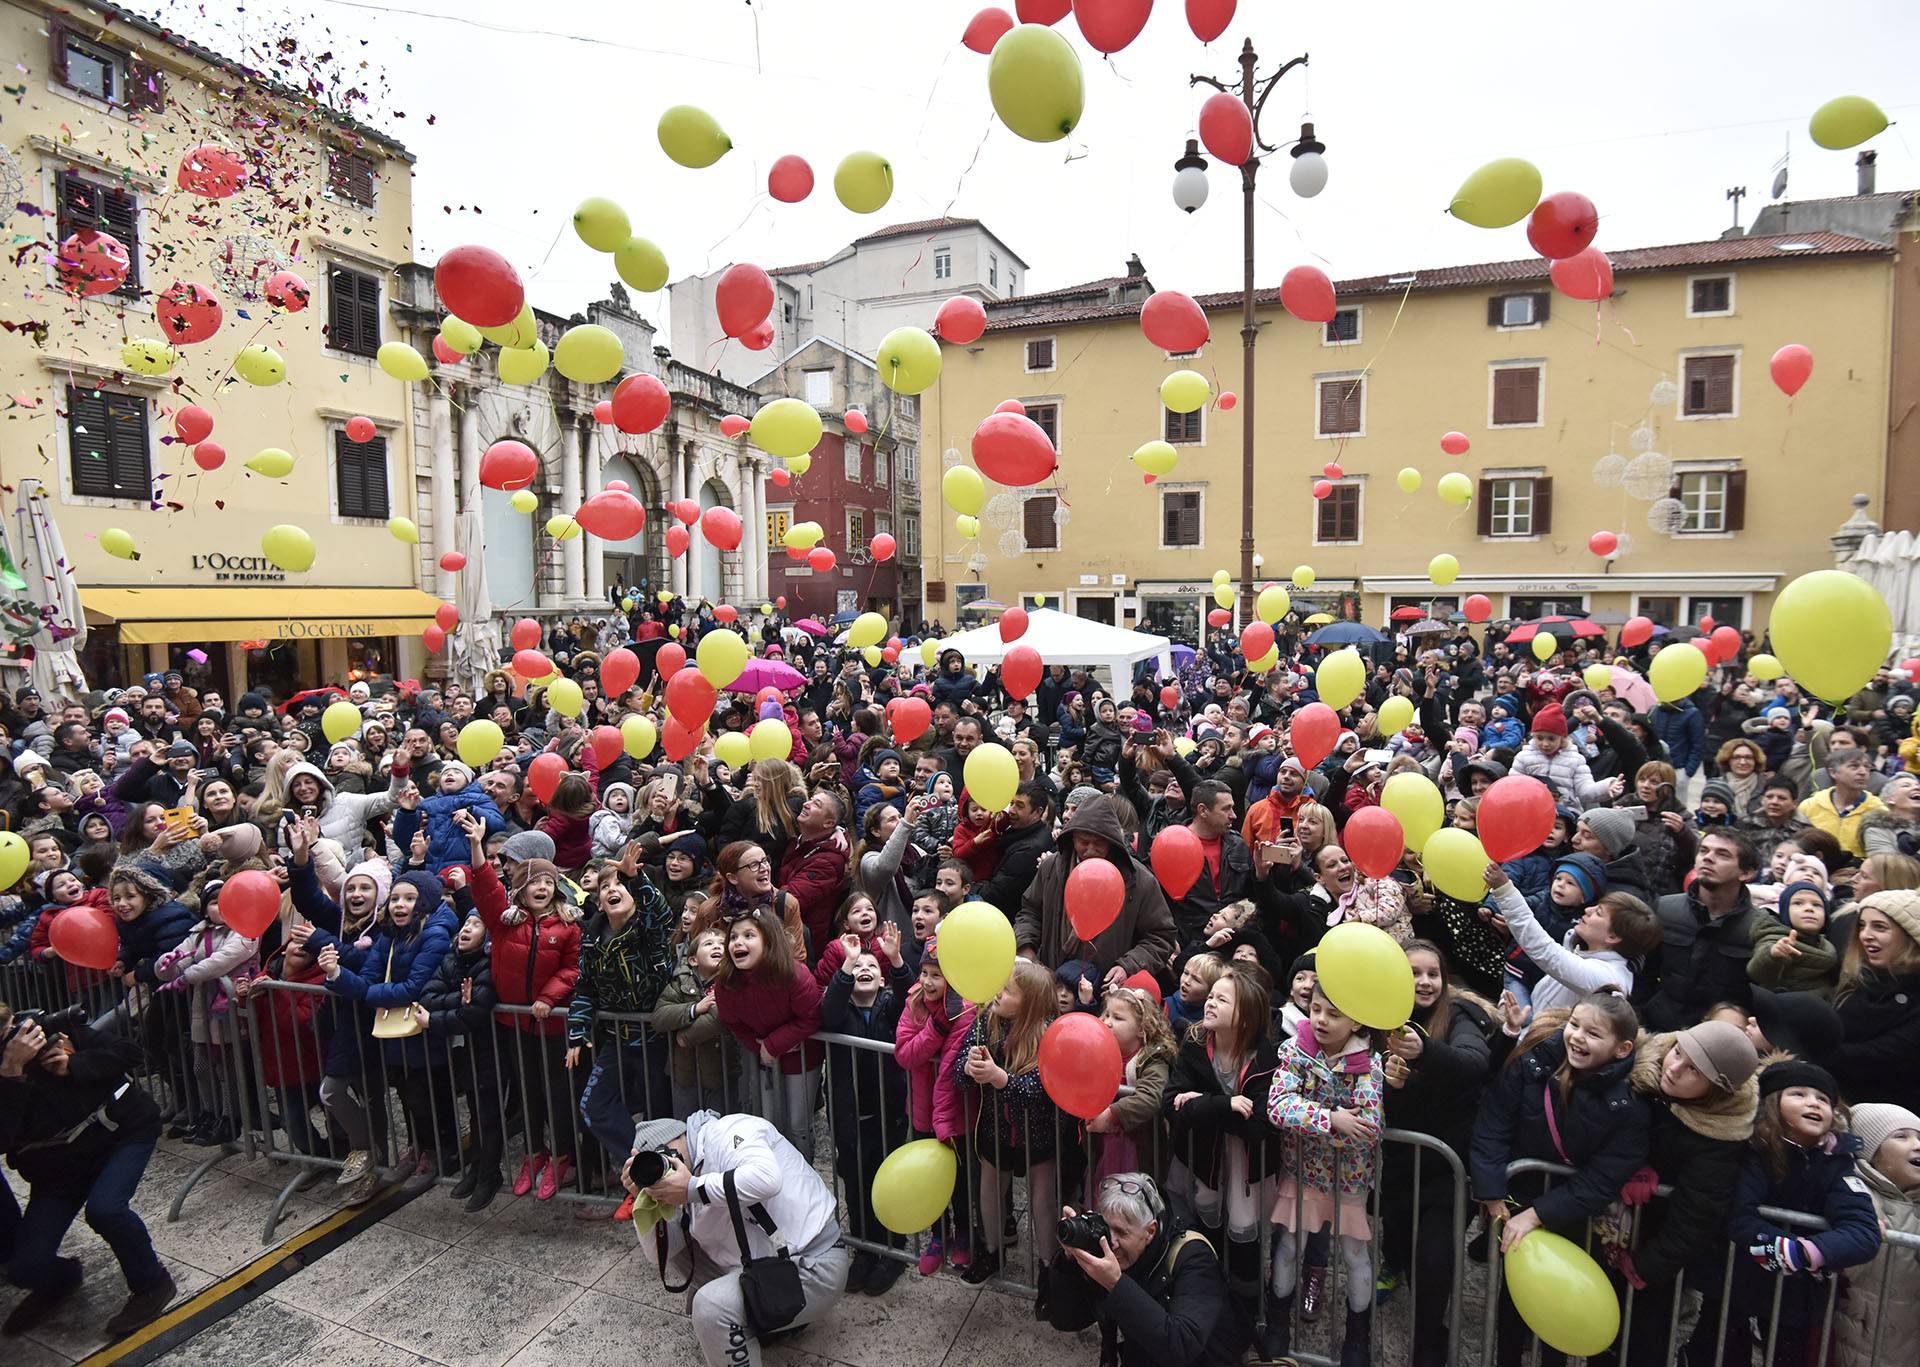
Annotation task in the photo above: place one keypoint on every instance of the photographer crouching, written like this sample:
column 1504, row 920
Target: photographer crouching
column 78, row 1129
column 1154, row 1285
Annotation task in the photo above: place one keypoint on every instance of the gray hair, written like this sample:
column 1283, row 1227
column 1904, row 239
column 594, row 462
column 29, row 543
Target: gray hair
column 1140, row 1206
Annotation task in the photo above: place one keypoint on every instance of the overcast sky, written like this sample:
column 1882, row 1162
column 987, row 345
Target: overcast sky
column 1651, row 108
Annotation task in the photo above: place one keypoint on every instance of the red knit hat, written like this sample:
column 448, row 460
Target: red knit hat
column 1550, row 720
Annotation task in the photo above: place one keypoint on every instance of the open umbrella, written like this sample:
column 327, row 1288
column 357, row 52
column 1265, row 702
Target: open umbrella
column 1633, row 690
column 761, row 674
column 1345, row 634
column 1559, row 627
column 811, row 627
column 983, row 605
column 1408, row 614
column 1429, row 627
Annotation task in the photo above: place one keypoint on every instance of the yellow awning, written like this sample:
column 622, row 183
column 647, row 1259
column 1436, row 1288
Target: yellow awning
column 157, row 615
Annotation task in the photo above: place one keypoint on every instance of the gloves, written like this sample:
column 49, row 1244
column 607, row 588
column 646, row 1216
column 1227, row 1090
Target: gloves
column 1786, row 1256
column 1622, row 1260
column 1639, row 1187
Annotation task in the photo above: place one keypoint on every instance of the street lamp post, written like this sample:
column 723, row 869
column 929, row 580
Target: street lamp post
column 1253, row 90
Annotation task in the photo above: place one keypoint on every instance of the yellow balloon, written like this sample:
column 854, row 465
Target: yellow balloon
column 968, row 527
column 1765, row 668
column 976, row 943
column 1303, row 576
column 289, row 547
column 1156, row 458
column 1562, row 1294
column 1831, row 631
column 665, row 596
column 799, row 465
column 1456, row 863
column 1846, row 122
column 732, row 749
column 524, row 365
column 588, row 354
column 1597, row 677
column 1266, row 663
column 914, row 1185
column 641, row 264
column 14, row 857
column 803, row 536
column 272, row 462
column 460, row 335
column 601, row 224
column 517, row 335
column 402, row 361
column 1222, row 577
column 1544, row 645
column 786, row 428
column 1678, row 670
column 402, row 529
column 340, row 720
column 1223, row 595
column 147, row 356
column 1455, row 488
column 766, row 609
column 770, row 739
column 118, row 544
column 909, row 360
column 1184, row 391
column 1366, row 974
column 1184, row 746
column 868, row 629
column 562, row 528
column 1409, row 480
column 524, row 500
column 479, row 741
column 1341, row 677
column 1272, row 604
column 1035, row 83
column 964, row 490
column 872, row 656
column 564, row 696
column 626, row 605
column 674, row 631
column 930, row 652
column 1499, row 194
column 1394, row 716
column 1443, row 569
column 260, row 364
column 991, row 776
column 721, row 656
column 692, row 136
column 1416, row 802
column 863, row 181
column 637, row 736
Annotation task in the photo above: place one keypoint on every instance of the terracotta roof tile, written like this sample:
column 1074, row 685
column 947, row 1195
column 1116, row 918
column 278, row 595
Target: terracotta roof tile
column 924, row 225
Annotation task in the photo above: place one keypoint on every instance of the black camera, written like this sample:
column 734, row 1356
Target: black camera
column 52, row 1023
column 648, row 1167
column 1084, row 1231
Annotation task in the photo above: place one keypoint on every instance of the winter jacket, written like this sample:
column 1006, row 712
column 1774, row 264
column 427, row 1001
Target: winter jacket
column 142, row 941
column 1880, row 1039
column 1565, row 772
column 1221, row 883
column 1138, row 1116
column 953, row 685
column 1170, row 1306
column 102, row 1077
column 949, row 1105
column 205, row 964
column 1700, row 961
column 1815, row 970
column 879, row 877
column 344, row 816
column 1441, row 1095
column 873, row 793
column 572, row 839
column 1199, row 1130
column 1017, row 1123
column 533, row 961
column 393, row 970
column 610, row 832
column 622, row 971
column 814, row 873
column 701, row 1054
column 865, row 1084
column 1866, row 1322
column 453, row 1012
column 1823, row 811
column 919, row 1038
column 1682, row 728
column 1570, row 971
column 293, row 1028
column 446, row 842
column 1308, row 1087
column 783, row 1016
column 1141, row 937
column 1015, row 856
column 1821, row 1181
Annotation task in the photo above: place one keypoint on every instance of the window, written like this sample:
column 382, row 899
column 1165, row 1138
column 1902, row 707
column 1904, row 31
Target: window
column 993, row 270
column 943, row 263
column 908, row 463
column 1344, row 328
column 1706, row 386
column 882, row 524
column 786, row 311
column 1662, row 611
column 353, row 311
column 1342, row 407
column 1515, row 505
column 1042, row 532
column 360, row 476
column 853, row 451
column 1709, row 294
column 1337, row 516
column 1726, row 612
column 1711, row 500
column 881, row 460
column 820, row 388
column 1039, row 355
column 1046, row 416
column 107, row 444
column 1516, row 396
column 1184, row 428
column 112, row 77
column 1527, row 609
column 910, row 537
column 352, row 176
column 1517, row 310
column 1179, row 518
column 778, row 520
column 857, row 528
column 105, row 208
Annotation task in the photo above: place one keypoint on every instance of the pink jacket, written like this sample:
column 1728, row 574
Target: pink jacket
column 949, row 1105
column 917, row 1048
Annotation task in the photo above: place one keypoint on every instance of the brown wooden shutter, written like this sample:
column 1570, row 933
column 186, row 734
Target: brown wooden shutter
column 1543, row 506
column 343, row 305
column 1329, row 405
column 1516, row 396
column 1352, row 398
column 369, row 288
column 1040, row 531
column 1736, row 500
column 57, row 57
column 146, row 87
column 1542, row 305
column 1720, row 384
column 1496, row 310
column 1483, row 512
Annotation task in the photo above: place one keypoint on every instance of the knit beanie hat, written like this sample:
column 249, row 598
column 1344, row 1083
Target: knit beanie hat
column 239, row 842
column 1085, row 793
column 1715, row 788
column 1550, row 721
column 1587, row 871
column 1900, row 906
column 525, row 845
column 1799, row 1073
column 466, row 774
column 381, row 874
column 1785, row 904
column 1873, row 1121
column 1721, row 1051
column 429, row 892
column 1613, row 827
column 531, row 869
column 1303, row 964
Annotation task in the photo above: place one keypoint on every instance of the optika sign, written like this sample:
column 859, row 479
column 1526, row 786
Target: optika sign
column 237, row 568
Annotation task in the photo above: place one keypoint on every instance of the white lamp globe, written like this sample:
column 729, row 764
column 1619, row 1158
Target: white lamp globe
column 1190, row 188
column 1308, row 175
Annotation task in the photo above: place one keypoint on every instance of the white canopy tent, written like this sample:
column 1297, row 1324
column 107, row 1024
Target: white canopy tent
column 1890, row 561
column 1063, row 639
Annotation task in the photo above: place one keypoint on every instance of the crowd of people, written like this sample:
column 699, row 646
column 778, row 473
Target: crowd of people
column 1706, row 978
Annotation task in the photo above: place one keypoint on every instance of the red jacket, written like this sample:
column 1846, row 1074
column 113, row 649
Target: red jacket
column 815, row 872
column 975, row 846
column 781, row 1015
column 292, row 1052
column 40, row 943
column 572, row 839
column 534, row 961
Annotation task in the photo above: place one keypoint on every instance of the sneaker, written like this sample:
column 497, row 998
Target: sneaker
column 553, row 1177
column 1313, row 1291
column 529, row 1169
column 358, row 1164
column 930, row 1260
column 365, row 1189
column 484, row 1191
column 624, row 1215
column 960, row 1256
column 886, row 1271
column 143, row 1306
column 1385, row 1284
column 408, row 1157
column 859, row 1270
column 1009, row 1232
column 981, row 1269
column 468, row 1181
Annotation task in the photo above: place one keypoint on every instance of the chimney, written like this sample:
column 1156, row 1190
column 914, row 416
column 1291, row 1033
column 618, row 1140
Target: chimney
column 1864, row 167
column 1135, row 270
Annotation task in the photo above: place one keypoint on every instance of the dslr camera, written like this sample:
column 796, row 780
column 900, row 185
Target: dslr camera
column 1083, row 1231
column 648, row 1167
column 52, row 1023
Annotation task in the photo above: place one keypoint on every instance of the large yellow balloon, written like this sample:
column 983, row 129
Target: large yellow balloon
column 601, row 224
column 721, row 656
column 1597, row 677
column 340, row 720
column 517, row 335
column 991, row 776
column 1846, row 122
column 1035, row 82
column 868, row 629
column 909, row 360
column 1185, row 391
column 1156, row 457
column 147, row 356
column 1416, row 802
column 732, row 749
column 1677, row 671
column 692, row 137
column 272, row 462
column 968, row 527
column 524, row 365
column 1443, row 569
column 1366, row 974
column 1765, row 668
column 803, row 536
column 289, row 547
column 1831, row 631
column 1499, row 194
column 1222, row 576
column 1456, row 863
column 637, row 736
column 799, row 465
column 1303, row 576
column 118, row 543
column 14, row 857
column 770, row 739
column 1544, row 645
column 1272, row 604
column 588, row 354
column 930, row 652
column 1340, row 678
column 562, row 528
column 1223, row 595
column 872, row 656
column 863, row 181
column 1266, row 663
column 260, row 364
column 1562, row 1294
column 1394, row 716
column 565, row 697
column 457, row 334
column 402, row 529
column 786, row 428
column 1409, row 480
column 401, row 361
column 1455, row 488
column 479, row 741
column 976, row 945
column 914, row 1185
column 964, row 490
column 524, row 500
column 641, row 264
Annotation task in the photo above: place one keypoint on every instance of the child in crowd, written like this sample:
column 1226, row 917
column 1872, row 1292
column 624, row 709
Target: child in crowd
column 702, row 1064
column 1882, row 1305
column 1132, row 1138
column 612, row 825
column 771, row 1003
column 206, row 965
column 1578, row 882
column 568, row 821
column 953, row 877
column 1189, row 1001
column 866, row 1093
column 456, row 1010
column 929, row 909
column 291, row 1033
column 854, row 925
column 1601, row 953
column 1791, row 951
column 976, row 844
column 932, row 1031
column 938, row 815
column 1503, row 730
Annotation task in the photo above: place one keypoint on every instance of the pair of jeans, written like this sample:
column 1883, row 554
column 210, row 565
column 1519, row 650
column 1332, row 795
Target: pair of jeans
column 628, row 1079
column 36, row 1264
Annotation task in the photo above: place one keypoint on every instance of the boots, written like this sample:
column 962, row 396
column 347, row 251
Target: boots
column 1277, row 1340
column 1356, row 1350
column 1043, row 1295
column 1313, row 1291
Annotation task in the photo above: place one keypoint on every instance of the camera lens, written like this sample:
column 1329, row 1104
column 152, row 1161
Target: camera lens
column 649, row 1166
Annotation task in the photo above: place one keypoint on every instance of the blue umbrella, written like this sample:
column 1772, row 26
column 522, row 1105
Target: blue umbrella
column 1345, row 634
column 840, row 619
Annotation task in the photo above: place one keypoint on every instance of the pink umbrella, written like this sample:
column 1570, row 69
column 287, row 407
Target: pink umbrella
column 1635, row 691
column 811, row 627
column 761, row 674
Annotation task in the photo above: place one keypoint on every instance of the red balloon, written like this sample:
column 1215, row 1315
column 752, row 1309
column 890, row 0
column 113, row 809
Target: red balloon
column 822, row 560
column 1332, row 469
column 640, row 404
column 725, row 613
column 1637, row 631
column 961, row 320
column 525, row 634
column 1209, row 18
column 1374, row 840
column 1013, row 450
column 733, row 425
column 287, row 292
column 1706, row 625
column 608, row 744
column 1256, row 639
column 433, row 638
column 790, row 179
column 1095, row 893
column 1021, row 671
column 742, row 298
column 192, row 424
column 781, row 602
column 1042, row 11
column 721, row 527
column 882, row 547
column 1477, row 607
column 531, row 664
column 1563, row 224
column 361, row 429
column 1322, row 488
column 910, row 718
column 1109, row 25
column 85, row 937
column 446, row 616
column 1080, row 1063
column 1013, row 623
column 543, row 775
column 453, row 562
column 1169, row 697
column 612, row 515
column 671, row 659
column 212, row 172
column 1177, row 858
column 1586, row 275
column 985, row 29
column 686, row 510
column 209, row 455
column 676, row 740
column 1603, row 543
column 445, row 354
column 678, row 539
column 619, row 671
column 508, row 465
column 1791, row 365
column 779, row 476
column 761, row 337
column 1455, row 443
column 855, row 420
column 1911, row 668
column 690, row 697
column 1011, row 406
column 1218, row 617
column 479, row 285
column 1515, row 815
column 1314, row 731
column 603, row 411
column 1307, row 294
column 249, row 902
column 1173, row 322
column 1228, row 401
column 187, row 312
column 1727, row 642
column 92, row 263
column 1227, row 128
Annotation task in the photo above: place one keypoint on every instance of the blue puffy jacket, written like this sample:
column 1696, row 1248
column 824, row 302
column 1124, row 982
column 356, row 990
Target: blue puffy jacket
column 394, row 970
column 1820, row 1181
column 446, row 845
column 1682, row 728
column 160, row 928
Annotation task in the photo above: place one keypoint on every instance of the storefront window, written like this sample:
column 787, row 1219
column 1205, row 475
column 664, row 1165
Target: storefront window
column 1177, row 619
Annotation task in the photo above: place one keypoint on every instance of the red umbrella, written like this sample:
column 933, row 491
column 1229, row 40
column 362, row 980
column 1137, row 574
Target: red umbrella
column 1560, row 628
column 1408, row 614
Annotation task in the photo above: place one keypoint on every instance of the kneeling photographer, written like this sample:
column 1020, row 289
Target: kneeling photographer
column 745, row 1225
column 80, row 1132
column 1154, row 1285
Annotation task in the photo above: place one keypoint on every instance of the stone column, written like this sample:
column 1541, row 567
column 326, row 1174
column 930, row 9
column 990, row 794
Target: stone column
column 682, row 565
column 572, row 561
column 446, row 498
column 590, row 547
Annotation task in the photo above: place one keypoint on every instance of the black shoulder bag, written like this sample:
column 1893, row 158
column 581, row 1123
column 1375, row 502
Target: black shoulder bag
column 769, row 1287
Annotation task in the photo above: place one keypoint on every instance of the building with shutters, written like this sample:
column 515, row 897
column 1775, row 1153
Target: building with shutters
column 108, row 106
column 1651, row 416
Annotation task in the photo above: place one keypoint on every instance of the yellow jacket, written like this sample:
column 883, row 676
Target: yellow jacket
column 1842, row 826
